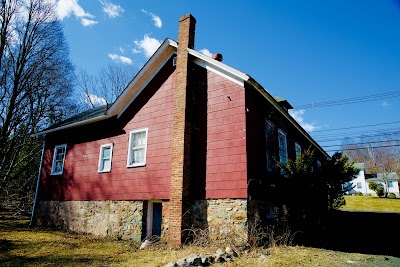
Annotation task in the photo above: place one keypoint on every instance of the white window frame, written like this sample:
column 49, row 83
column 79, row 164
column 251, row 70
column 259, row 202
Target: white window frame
column 146, row 130
column 101, row 157
column 359, row 185
column 390, row 184
column 269, row 135
column 150, row 203
column 297, row 149
column 53, row 166
column 285, row 152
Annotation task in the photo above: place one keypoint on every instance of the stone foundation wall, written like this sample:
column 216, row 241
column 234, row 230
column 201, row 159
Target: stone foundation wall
column 165, row 220
column 120, row 219
column 224, row 218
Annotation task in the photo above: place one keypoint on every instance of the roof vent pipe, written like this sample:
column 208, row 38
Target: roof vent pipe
column 217, row 57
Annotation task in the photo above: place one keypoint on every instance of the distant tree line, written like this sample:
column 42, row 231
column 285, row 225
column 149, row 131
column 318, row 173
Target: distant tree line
column 380, row 153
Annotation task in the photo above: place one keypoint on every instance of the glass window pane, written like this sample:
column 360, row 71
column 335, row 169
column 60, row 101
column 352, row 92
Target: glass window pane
column 106, row 164
column 137, row 148
column 106, row 152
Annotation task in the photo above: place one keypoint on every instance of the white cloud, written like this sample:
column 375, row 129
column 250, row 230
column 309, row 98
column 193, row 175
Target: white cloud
column 148, row 45
column 121, row 50
column 384, row 104
column 120, row 59
column 87, row 22
column 298, row 116
column 93, row 99
column 206, row 52
column 156, row 19
column 66, row 8
column 112, row 10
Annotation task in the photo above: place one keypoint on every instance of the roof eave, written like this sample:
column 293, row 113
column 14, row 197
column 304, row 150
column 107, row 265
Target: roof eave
column 119, row 105
column 72, row 125
column 271, row 99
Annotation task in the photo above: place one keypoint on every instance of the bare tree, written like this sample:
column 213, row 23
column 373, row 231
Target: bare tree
column 35, row 81
column 380, row 153
column 106, row 86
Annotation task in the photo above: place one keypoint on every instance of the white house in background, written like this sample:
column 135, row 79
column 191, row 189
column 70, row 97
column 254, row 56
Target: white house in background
column 361, row 182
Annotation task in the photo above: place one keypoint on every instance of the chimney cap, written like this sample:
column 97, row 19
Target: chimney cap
column 217, row 57
column 187, row 16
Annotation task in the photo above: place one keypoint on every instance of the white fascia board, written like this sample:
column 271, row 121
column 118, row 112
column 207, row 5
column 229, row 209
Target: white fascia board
column 270, row 99
column 220, row 68
column 167, row 42
column 72, row 125
column 146, row 83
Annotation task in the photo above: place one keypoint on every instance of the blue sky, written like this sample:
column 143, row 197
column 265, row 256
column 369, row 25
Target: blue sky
column 305, row 51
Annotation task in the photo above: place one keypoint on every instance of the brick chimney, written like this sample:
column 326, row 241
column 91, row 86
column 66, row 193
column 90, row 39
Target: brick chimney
column 181, row 137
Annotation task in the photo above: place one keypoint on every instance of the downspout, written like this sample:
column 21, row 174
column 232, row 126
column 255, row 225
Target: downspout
column 37, row 184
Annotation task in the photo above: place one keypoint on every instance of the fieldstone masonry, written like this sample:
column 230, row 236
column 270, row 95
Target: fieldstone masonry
column 120, row 219
column 224, row 218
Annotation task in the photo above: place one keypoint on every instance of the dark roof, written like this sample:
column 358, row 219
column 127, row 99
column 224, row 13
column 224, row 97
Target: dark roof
column 88, row 114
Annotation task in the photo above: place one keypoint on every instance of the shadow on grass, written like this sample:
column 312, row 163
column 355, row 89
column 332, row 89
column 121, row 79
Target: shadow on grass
column 364, row 232
column 21, row 245
column 51, row 260
column 62, row 253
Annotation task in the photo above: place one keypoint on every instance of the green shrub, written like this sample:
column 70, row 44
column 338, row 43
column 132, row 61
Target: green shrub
column 378, row 188
column 380, row 191
column 358, row 194
column 392, row 195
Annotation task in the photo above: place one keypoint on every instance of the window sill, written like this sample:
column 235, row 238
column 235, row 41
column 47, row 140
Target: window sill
column 136, row 165
column 56, row 173
column 105, row 171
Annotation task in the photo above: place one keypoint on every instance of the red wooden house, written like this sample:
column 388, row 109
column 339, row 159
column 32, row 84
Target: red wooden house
column 190, row 141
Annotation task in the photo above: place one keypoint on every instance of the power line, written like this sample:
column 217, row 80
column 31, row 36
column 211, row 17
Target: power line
column 348, row 134
column 371, row 147
column 348, row 101
column 360, row 126
column 349, row 137
column 364, row 143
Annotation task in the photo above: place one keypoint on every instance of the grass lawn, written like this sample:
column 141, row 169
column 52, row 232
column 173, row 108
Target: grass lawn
column 369, row 203
column 23, row 246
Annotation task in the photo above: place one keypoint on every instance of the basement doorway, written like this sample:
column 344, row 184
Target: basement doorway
column 154, row 219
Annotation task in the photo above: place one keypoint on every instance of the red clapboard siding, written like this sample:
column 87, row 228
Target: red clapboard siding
column 226, row 166
column 81, row 180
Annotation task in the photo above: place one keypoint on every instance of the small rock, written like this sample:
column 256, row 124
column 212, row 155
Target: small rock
column 171, row 264
column 194, row 260
column 219, row 252
column 209, row 259
column 231, row 252
column 263, row 256
column 220, row 259
column 197, row 262
column 182, row 262
column 145, row 244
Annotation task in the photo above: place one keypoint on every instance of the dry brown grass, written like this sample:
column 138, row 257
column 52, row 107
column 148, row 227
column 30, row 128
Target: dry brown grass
column 23, row 246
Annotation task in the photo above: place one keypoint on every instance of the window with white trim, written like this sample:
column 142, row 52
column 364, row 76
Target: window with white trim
column 282, row 146
column 359, row 185
column 390, row 183
column 137, row 148
column 297, row 149
column 58, row 159
column 105, row 157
